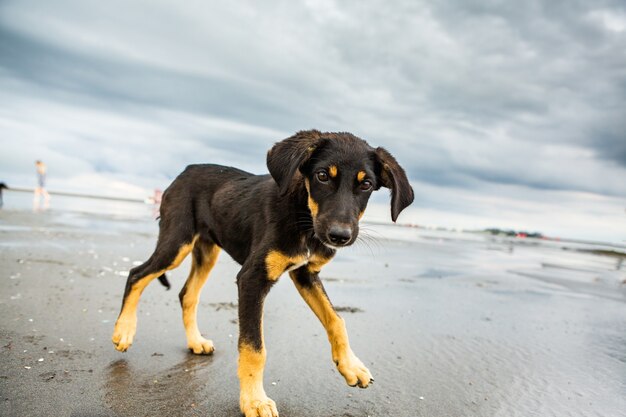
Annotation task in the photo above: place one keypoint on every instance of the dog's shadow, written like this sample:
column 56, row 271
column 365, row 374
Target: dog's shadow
column 178, row 390
column 184, row 389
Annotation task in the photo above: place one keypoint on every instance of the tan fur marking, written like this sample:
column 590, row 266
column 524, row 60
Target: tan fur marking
column 196, row 280
column 347, row 363
column 126, row 324
column 313, row 206
column 332, row 171
column 252, row 398
column 360, row 176
column 316, row 262
column 319, row 303
column 277, row 262
column 182, row 254
column 251, row 363
column 361, row 214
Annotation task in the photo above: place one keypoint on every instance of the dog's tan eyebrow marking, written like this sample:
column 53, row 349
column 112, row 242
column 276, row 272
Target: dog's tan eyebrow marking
column 332, row 171
column 361, row 176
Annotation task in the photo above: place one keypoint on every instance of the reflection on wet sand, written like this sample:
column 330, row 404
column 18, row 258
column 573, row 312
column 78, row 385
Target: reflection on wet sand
column 136, row 392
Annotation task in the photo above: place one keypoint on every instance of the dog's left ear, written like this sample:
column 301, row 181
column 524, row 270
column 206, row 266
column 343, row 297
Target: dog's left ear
column 392, row 176
column 287, row 156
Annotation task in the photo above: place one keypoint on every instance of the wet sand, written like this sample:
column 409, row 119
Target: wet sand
column 449, row 324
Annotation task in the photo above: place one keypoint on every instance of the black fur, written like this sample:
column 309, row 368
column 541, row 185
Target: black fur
column 311, row 203
column 164, row 281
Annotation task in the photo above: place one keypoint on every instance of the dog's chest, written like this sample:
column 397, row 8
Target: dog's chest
column 300, row 261
column 277, row 262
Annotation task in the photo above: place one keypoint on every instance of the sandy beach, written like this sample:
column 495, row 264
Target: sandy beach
column 450, row 324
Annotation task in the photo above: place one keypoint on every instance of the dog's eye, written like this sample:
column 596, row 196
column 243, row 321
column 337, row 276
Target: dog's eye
column 322, row 176
column 366, row 185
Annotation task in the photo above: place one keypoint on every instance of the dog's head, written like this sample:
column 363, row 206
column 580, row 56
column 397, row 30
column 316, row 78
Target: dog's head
column 339, row 172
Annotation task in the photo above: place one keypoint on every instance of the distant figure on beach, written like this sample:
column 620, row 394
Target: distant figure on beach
column 156, row 199
column 40, row 190
column 3, row 186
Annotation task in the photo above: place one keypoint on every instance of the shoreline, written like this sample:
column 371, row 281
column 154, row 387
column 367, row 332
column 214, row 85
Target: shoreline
column 147, row 202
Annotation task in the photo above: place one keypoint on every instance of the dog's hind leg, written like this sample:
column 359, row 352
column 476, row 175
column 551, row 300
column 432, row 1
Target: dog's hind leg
column 204, row 256
column 171, row 250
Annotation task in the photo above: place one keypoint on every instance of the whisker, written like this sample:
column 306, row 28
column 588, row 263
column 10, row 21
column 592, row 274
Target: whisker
column 370, row 230
column 362, row 242
column 366, row 238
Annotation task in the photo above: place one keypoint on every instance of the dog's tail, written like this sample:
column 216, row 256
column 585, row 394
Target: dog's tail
column 163, row 280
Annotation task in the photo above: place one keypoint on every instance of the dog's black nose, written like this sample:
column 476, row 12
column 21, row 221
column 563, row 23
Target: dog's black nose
column 339, row 235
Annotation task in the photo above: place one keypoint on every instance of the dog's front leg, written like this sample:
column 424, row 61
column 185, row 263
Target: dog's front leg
column 253, row 287
column 312, row 291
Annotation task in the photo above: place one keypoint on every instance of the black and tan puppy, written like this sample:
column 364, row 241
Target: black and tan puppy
column 293, row 220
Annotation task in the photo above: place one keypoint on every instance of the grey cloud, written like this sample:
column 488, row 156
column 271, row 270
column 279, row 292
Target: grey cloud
column 116, row 82
column 463, row 92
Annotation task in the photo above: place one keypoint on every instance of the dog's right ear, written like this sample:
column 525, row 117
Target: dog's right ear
column 287, row 156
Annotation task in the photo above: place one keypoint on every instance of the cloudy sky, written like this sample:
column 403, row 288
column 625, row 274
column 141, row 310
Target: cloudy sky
column 508, row 114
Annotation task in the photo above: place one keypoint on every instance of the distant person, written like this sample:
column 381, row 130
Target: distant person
column 156, row 199
column 40, row 190
column 3, row 186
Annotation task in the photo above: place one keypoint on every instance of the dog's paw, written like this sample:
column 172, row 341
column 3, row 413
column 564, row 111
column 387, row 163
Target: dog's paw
column 260, row 407
column 123, row 334
column 201, row 346
column 353, row 370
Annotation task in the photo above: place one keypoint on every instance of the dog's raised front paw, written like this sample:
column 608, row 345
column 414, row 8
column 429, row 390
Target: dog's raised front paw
column 201, row 346
column 353, row 370
column 123, row 334
column 260, row 407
